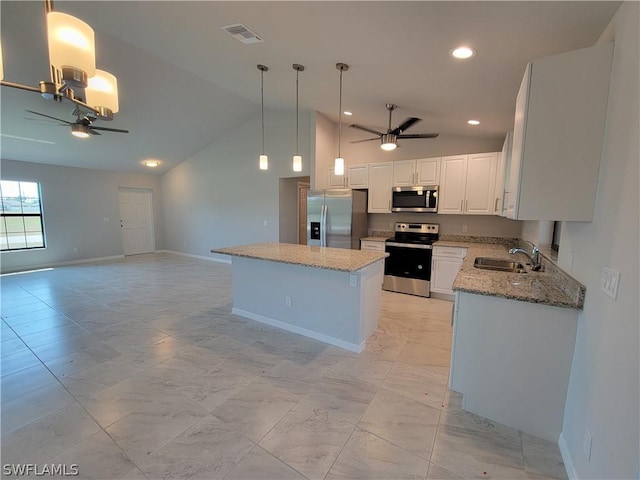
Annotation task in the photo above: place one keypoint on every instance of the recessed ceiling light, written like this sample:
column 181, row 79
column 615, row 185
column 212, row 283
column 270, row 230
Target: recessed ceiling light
column 473, row 122
column 347, row 113
column 151, row 163
column 463, row 52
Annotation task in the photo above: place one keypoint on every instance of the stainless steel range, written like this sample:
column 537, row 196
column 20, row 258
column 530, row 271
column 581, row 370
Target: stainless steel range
column 407, row 269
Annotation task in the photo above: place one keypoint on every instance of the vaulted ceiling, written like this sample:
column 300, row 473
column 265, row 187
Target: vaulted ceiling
column 184, row 81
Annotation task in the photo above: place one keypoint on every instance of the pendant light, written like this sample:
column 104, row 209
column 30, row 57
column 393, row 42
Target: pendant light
column 264, row 159
column 338, row 165
column 297, row 159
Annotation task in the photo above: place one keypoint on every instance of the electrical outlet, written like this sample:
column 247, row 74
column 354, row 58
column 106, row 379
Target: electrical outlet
column 353, row 280
column 464, row 229
column 586, row 443
column 75, row 249
column 287, row 301
column 105, row 219
column 609, row 281
column 266, row 223
column 391, row 226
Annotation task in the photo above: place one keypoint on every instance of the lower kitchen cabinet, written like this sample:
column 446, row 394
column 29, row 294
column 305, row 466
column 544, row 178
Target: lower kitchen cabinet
column 445, row 264
column 375, row 245
column 511, row 361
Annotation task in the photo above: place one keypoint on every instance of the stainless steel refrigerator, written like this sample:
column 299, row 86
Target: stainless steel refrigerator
column 336, row 218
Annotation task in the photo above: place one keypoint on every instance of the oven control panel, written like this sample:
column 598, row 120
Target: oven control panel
column 417, row 227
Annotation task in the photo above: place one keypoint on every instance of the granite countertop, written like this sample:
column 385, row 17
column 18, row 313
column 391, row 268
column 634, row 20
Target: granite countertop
column 535, row 287
column 340, row 259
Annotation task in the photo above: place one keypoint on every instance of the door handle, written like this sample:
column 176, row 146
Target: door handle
column 462, row 206
column 495, row 207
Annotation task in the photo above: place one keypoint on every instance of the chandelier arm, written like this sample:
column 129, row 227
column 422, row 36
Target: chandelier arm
column 19, row 86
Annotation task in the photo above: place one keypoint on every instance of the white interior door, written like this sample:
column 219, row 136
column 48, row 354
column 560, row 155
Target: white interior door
column 136, row 220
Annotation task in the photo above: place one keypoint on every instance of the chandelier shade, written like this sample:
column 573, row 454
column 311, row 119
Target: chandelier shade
column 71, row 44
column 102, row 91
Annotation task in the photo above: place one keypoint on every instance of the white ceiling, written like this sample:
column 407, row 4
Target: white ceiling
column 184, row 82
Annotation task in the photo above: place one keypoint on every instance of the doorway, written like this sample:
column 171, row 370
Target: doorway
column 136, row 220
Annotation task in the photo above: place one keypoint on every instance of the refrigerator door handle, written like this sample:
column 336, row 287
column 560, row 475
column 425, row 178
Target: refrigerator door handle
column 323, row 220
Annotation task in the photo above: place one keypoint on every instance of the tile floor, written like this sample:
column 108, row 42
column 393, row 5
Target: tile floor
column 136, row 369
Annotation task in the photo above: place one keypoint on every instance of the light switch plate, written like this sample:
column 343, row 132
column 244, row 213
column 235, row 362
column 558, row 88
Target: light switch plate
column 609, row 281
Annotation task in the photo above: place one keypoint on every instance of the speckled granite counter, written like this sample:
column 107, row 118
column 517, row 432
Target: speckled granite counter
column 327, row 258
column 549, row 287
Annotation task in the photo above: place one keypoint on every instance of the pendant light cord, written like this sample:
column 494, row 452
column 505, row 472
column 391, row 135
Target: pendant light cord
column 340, row 116
column 262, row 104
column 297, row 76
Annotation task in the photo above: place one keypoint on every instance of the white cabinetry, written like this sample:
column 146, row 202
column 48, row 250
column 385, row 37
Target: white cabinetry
column 355, row 176
column 558, row 133
column 380, row 177
column 445, row 265
column 375, row 245
column 467, row 184
column 511, row 361
column 336, row 181
column 358, row 175
column 422, row 171
column 502, row 175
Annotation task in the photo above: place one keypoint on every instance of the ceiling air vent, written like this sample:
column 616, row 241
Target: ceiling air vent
column 241, row 32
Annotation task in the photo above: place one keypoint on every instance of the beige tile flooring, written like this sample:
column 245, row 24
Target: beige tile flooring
column 137, row 369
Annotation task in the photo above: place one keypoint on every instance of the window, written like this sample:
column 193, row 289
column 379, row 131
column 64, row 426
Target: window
column 22, row 226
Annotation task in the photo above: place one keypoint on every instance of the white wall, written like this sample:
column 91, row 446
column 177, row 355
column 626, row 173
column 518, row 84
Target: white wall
column 75, row 202
column 219, row 197
column 603, row 394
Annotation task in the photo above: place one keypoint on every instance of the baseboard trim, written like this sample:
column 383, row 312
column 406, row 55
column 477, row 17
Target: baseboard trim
column 566, row 458
column 62, row 264
column 352, row 347
column 226, row 260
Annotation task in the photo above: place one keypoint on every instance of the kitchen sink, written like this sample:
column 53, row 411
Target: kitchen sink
column 499, row 265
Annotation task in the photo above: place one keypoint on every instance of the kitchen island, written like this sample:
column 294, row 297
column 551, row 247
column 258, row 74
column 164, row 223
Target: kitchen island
column 330, row 294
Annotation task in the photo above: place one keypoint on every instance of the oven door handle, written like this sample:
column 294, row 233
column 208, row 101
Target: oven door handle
column 409, row 245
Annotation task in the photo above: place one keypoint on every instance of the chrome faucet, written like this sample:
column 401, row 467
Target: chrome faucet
column 534, row 258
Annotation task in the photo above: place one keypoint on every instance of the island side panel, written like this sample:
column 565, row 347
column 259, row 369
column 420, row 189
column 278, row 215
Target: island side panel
column 512, row 361
column 324, row 303
column 371, row 279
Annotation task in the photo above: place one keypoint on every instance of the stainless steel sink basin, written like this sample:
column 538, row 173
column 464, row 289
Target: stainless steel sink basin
column 499, row 265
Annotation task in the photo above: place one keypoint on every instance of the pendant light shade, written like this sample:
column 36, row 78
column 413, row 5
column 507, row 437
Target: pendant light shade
column 264, row 159
column 297, row 159
column 71, row 47
column 338, row 165
column 102, row 91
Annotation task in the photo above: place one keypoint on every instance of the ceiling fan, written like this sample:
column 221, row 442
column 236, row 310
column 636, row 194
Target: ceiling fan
column 390, row 138
column 82, row 127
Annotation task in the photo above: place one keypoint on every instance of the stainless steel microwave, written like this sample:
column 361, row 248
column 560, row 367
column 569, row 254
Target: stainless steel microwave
column 414, row 199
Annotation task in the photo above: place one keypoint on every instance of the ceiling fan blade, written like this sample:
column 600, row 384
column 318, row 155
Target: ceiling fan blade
column 93, row 132
column 419, row 135
column 49, row 116
column 106, row 129
column 365, row 140
column 408, row 123
column 45, row 122
column 370, row 130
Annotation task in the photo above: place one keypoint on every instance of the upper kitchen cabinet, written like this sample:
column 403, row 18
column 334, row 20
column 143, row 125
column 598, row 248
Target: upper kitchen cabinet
column 467, row 184
column 422, row 171
column 357, row 175
column 558, row 134
column 380, row 176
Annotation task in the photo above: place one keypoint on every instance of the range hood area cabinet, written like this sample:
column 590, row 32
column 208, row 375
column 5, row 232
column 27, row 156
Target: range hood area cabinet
column 419, row 172
column 558, row 134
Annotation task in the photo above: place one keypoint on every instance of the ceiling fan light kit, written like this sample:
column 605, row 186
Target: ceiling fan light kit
column 389, row 141
column 72, row 63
